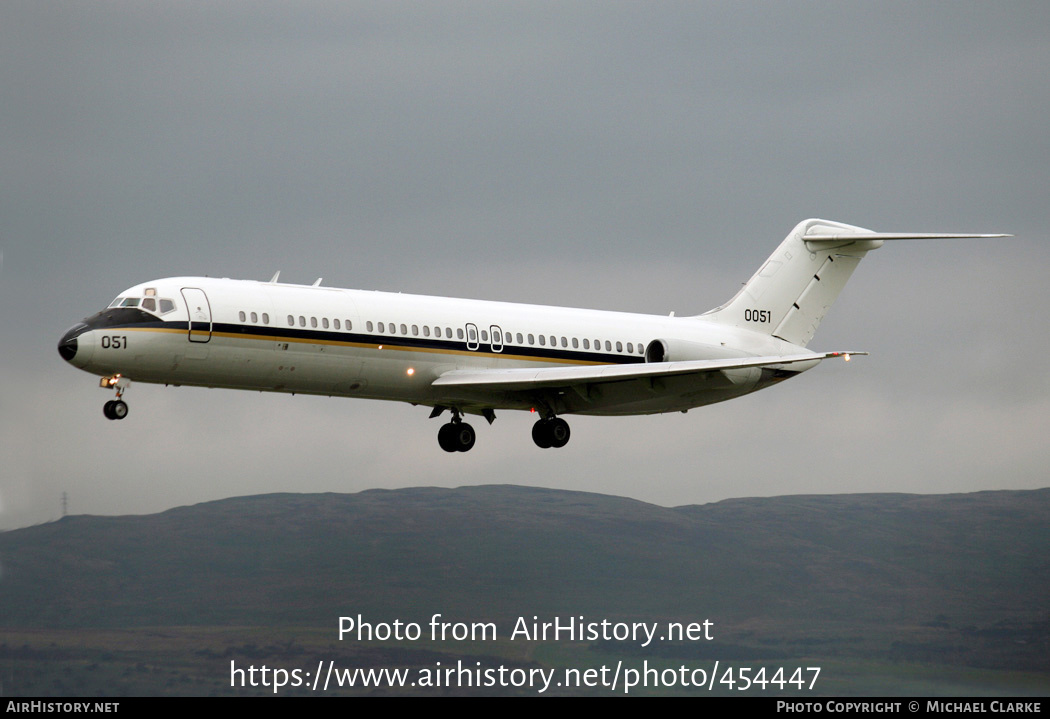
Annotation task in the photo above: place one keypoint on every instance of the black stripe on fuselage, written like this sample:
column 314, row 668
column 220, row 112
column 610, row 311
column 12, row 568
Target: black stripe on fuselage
column 303, row 335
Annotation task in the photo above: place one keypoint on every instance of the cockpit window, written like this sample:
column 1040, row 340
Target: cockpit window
column 149, row 303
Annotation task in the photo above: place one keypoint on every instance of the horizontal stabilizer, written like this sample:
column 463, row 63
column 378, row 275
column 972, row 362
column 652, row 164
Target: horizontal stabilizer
column 855, row 237
column 792, row 292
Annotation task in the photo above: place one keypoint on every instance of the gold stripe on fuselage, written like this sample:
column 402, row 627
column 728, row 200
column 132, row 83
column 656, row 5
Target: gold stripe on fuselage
column 383, row 347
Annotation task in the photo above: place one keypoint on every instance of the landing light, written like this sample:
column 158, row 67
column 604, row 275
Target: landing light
column 846, row 358
column 410, row 371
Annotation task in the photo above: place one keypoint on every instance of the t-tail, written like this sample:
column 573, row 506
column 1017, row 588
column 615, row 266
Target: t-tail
column 793, row 290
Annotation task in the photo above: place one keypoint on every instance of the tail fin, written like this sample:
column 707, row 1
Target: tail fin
column 790, row 294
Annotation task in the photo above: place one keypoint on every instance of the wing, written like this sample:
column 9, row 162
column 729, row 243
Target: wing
column 622, row 389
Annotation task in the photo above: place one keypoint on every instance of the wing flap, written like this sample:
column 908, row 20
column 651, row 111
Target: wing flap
column 529, row 378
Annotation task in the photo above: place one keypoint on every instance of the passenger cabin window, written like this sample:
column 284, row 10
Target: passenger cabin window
column 336, row 323
column 368, row 325
column 302, row 321
column 241, row 316
column 324, row 322
column 255, row 318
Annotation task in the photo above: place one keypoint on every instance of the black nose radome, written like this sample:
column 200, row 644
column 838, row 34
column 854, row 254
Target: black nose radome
column 67, row 346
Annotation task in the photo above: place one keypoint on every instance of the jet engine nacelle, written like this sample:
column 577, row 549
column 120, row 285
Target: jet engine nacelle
column 664, row 350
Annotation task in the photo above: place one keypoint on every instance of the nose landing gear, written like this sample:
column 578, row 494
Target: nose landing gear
column 115, row 408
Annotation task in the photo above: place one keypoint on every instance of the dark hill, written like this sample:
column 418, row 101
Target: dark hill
column 496, row 552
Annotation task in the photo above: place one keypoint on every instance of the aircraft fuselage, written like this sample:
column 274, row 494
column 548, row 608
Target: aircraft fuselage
column 472, row 356
column 240, row 334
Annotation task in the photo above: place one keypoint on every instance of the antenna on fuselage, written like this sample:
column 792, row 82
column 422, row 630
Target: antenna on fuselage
column 273, row 280
column 318, row 283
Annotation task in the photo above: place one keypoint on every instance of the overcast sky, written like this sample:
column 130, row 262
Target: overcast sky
column 632, row 156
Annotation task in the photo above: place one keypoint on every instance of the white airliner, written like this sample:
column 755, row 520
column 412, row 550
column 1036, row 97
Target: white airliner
column 471, row 356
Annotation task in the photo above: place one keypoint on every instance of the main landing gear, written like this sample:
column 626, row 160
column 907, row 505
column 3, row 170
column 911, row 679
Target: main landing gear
column 115, row 408
column 550, row 432
column 456, row 436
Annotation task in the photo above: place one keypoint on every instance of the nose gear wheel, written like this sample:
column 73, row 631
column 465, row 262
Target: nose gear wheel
column 115, row 409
